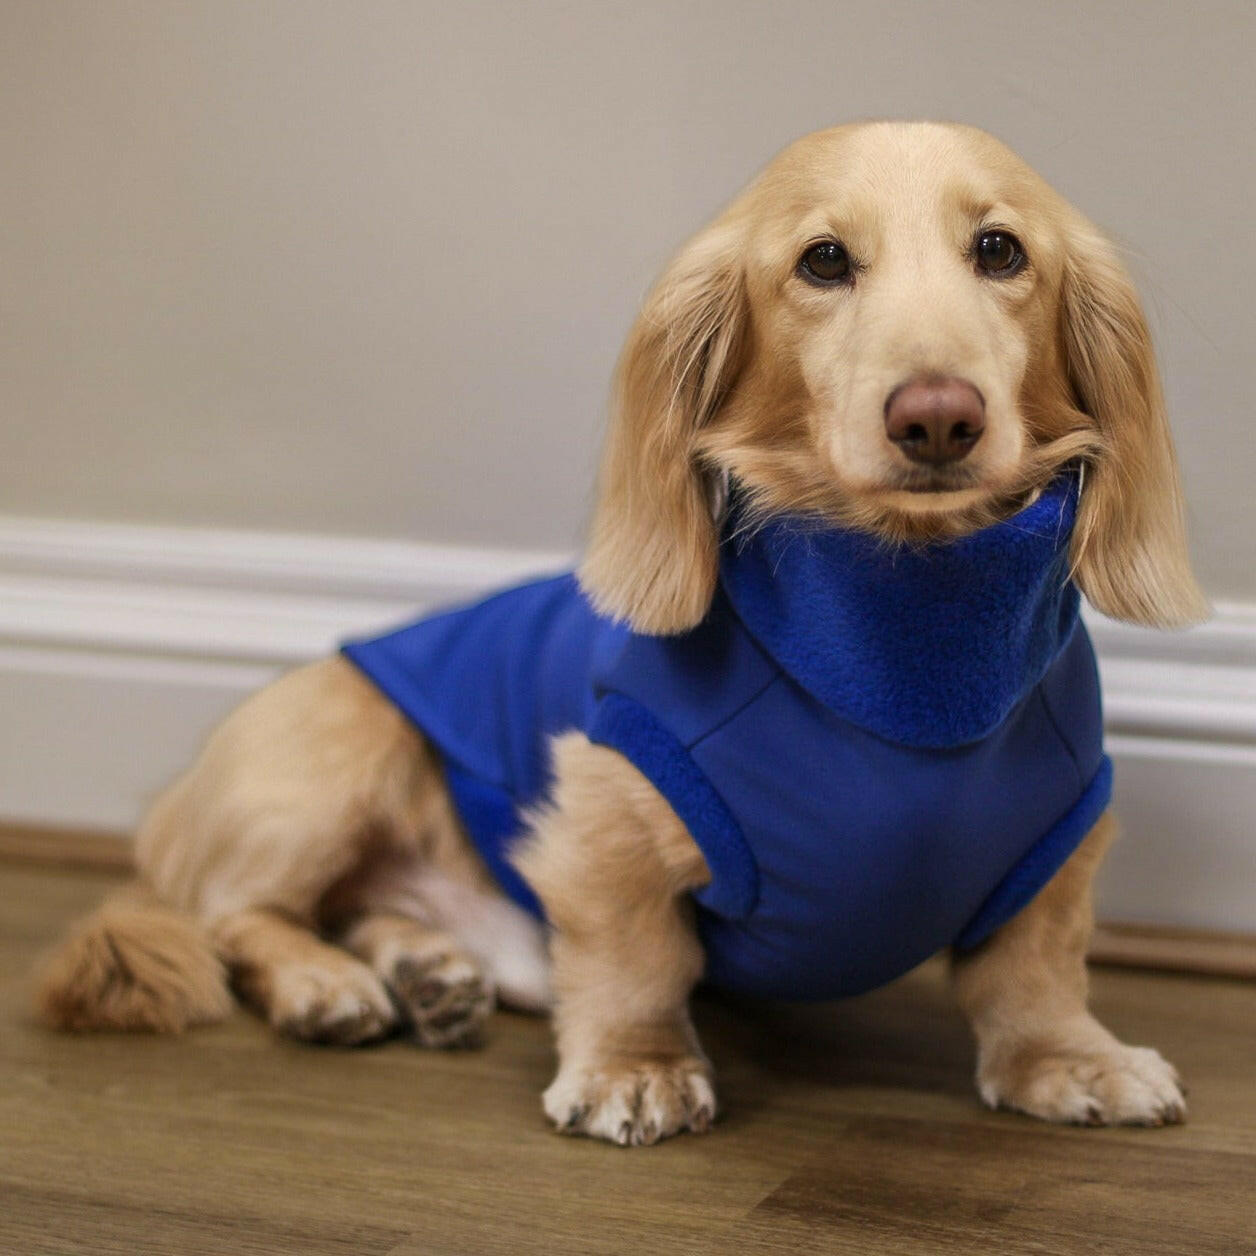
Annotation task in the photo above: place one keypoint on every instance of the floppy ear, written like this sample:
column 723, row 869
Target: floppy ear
column 1129, row 546
column 651, row 558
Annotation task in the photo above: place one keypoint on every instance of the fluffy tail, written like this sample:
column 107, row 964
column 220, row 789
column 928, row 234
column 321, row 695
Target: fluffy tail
column 133, row 964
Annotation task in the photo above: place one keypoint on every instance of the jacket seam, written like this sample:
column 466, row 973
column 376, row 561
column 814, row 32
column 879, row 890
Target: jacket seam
column 732, row 715
column 1040, row 690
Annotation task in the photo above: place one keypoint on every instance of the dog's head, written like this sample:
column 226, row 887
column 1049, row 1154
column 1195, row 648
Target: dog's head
column 901, row 328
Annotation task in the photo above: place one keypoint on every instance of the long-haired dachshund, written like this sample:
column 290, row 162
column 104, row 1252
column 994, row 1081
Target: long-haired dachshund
column 817, row 704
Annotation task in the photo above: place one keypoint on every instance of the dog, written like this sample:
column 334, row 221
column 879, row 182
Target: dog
column 896, row 393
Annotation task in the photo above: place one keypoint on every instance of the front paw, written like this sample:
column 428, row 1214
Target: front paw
column 1108, row 1084
column 632, row 1103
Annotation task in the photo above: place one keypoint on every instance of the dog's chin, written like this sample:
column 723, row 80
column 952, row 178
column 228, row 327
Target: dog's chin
column 927, row 505
column 935, row 499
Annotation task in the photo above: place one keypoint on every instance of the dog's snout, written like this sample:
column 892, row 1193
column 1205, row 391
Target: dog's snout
column 935, row 419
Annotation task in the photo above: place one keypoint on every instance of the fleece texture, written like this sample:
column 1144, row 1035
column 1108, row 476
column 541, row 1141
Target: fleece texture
column 881, row 750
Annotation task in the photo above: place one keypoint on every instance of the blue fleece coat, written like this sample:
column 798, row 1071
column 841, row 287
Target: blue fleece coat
column 880, row 750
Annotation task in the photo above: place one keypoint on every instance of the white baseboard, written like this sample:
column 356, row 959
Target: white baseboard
column 121, row 646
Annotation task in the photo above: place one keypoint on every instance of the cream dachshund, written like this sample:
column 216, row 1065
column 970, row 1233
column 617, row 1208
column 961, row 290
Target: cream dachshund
column 817, row 704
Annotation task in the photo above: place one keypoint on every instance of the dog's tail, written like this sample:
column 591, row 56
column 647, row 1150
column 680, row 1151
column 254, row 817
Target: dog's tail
column 133, row 964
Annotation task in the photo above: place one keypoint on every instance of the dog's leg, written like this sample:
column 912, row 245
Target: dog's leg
column 612, row 865
column 1038, row 1048
column 304, row 987
column 312, row 803
column 441, row 988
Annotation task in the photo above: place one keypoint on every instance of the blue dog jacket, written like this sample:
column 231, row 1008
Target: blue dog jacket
column 880, row 750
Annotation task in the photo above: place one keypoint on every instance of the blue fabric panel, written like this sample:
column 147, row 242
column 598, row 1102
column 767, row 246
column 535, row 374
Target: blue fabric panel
column 1045, row 858
column 693, row 682
column 490, row 683
column 886, row 852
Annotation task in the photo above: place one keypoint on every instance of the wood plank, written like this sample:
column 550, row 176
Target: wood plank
column 1175, row 950
column 917, row 1189
column 73, row 849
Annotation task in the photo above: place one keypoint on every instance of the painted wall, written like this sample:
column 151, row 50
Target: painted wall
column 364, row 267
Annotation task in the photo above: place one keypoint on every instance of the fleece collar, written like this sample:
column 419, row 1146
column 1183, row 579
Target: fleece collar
column 929, row 646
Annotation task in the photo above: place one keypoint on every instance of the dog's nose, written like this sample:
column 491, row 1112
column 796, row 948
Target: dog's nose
column 935, row 418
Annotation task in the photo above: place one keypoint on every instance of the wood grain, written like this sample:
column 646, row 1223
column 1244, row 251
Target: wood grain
column 848, row 1128
column 1169, row 949
column 65, row 848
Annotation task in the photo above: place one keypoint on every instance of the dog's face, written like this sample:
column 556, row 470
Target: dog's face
column 882, row 260
column 898, row 327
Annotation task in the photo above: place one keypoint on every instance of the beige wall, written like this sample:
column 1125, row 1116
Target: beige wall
column 364, row 267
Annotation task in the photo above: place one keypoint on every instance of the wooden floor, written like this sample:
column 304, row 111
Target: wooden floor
column 847, row 1129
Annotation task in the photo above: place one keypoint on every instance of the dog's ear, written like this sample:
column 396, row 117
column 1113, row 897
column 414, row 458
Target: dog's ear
column 652, row 555
column 1129, row 547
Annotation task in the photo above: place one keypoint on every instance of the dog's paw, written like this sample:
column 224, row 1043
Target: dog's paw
column 446, row 997
column 632, row 1105
column 1103, row 1085
column 344, row 1005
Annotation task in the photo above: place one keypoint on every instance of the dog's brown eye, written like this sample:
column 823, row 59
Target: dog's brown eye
column 825, row 263
column 999, row 253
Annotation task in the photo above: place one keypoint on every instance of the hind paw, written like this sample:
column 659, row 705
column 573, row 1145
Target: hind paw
column 445, row 996
column 344, row 1008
